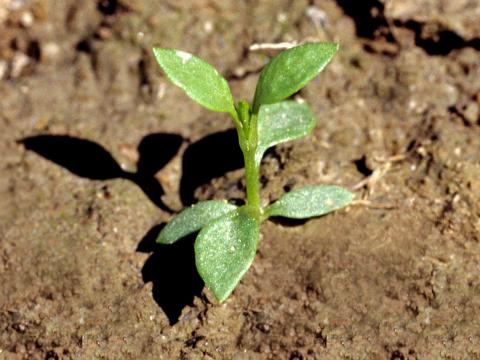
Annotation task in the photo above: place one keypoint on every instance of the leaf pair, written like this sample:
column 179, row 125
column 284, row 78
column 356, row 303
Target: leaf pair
column 226, row 245
column 286, row 73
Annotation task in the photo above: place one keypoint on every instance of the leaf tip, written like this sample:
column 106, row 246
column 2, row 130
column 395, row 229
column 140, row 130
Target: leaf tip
column 329, row 49
column 352, row 195
column 221, row 299
column 344, row 196
column 349, row 195
column 332, row 49
column 157, row 51
column 161, row 239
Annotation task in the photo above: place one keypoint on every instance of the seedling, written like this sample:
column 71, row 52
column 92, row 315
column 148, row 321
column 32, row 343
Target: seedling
column 229, row 235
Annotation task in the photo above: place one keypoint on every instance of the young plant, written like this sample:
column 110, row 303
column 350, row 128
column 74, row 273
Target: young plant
column 228, row 237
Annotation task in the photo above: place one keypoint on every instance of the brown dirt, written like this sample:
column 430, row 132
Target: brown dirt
column 97, row 148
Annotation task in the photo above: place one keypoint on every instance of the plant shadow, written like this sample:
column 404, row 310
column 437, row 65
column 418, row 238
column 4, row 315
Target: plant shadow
column 172, row 271
column 208, row 158
column 171, row 268
column 90, row 160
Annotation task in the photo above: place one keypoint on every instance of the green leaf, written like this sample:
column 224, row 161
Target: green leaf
column 224, row 250
column 310, row 201
column 280, row 122
column 193, row 219
column 291, row 70
column 200, row 80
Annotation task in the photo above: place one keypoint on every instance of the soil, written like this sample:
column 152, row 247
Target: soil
column 99, row 149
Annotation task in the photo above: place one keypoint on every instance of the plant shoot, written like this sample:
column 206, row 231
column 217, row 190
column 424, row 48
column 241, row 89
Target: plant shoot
column 228, row 235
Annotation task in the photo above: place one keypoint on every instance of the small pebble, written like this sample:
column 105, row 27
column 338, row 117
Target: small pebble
column 282, row 17
column 26, row 19
column 208, row 27
column 50, row 50
column 472, row 113
column 317, row 16
column 20, row 60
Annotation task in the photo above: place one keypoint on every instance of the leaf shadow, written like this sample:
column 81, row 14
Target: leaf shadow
column 287, row 222
column 90, row 160
column 172, row 271
column 208, row 158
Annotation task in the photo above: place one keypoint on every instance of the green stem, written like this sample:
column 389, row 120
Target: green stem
column 246, row 124
column 252, row 171
column 252, row 177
